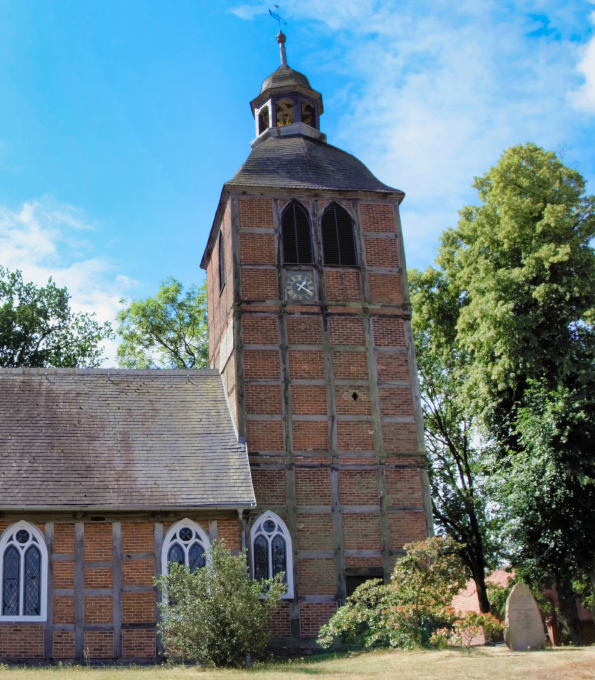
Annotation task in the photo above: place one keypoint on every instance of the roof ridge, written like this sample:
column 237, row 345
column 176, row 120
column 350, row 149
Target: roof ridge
column 110, row 371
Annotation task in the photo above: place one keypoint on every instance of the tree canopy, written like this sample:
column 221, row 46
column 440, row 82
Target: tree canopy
column 506, row 346
column 39, row 329
column 168, row 330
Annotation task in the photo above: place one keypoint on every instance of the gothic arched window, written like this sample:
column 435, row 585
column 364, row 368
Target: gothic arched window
column 23, row 574
column 338, row 238
column 185, row 543
column 297, row 236
column 221, row 256
column 271, row 550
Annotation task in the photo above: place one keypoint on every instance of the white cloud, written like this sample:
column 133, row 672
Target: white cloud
column 584, row 97
column 249, row 11
column 45, row 239
column 437, row 90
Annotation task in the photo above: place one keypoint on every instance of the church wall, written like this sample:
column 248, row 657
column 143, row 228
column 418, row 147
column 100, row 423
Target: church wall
column 347, row 472
column 102, row 601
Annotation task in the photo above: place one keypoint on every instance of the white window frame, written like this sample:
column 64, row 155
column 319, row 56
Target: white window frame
column 40, row 544
column 168, row 540
column 284, row 531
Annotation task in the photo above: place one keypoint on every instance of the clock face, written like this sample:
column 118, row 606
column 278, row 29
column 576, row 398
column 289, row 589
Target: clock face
column 299, row 287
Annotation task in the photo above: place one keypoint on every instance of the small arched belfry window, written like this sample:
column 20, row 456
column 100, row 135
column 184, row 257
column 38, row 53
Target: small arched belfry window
column 285, row 112
column 23, row 573
column 263, row 119
column 338, row 238
column 271, row 550
column 297, row 236
column 185, row 543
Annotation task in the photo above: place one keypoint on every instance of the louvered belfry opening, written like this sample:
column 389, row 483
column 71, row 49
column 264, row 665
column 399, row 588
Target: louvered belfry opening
column 221, row 253
column 297, row 237
column 338, row 239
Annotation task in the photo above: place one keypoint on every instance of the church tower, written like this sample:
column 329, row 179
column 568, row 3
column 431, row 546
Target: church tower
column 309, row 326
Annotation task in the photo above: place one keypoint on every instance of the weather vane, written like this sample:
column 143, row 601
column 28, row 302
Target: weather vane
column 276, row 16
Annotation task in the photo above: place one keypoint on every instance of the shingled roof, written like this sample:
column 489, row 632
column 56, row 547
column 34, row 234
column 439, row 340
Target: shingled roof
column 306, row 163
column 117, row 439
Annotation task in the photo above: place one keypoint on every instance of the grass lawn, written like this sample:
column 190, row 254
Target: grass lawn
column 491, row 663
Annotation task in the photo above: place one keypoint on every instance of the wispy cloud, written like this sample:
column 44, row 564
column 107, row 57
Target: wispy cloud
column 437, row 90
column 46, row 239
column 584, row 97
column 249, row 11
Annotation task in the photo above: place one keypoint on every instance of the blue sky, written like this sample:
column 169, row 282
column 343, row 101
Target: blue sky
column 121, row 119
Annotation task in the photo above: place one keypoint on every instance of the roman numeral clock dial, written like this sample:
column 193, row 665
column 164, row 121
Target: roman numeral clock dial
column 299, row 287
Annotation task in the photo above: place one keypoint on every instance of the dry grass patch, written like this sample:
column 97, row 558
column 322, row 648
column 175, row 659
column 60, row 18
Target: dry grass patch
column 483, row 664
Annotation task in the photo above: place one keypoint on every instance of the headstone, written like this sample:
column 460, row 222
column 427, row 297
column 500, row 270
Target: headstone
column 524, row 627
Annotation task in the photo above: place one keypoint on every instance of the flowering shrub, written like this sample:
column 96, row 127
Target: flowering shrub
column 217, row 614
column 466, row 629
column 406, row 612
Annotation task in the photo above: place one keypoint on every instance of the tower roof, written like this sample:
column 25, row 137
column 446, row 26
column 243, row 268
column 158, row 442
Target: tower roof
column 306, row 163
column 284, row 76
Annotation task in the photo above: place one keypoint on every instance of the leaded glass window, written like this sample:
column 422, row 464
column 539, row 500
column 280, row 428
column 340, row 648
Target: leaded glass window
column 185, row 543
column 271, row 550
column 23, row 564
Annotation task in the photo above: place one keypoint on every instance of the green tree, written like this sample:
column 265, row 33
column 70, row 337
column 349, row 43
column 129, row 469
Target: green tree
column 218, row 614
column 548, row 492
column 38, row 327
column 455, row 448
column 526, row 271
column 165, row 331
column 523, row 272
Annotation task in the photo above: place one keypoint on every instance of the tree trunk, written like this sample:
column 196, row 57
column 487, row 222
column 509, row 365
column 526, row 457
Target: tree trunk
column 569, row 612
column 477, row 565
column 592, row 577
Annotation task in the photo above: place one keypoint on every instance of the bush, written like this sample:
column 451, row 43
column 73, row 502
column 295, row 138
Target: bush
column 217, row 615
column 408, row 611
column 466, row 629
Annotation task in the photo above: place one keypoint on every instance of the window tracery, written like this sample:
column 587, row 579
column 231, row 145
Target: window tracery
column 185, row 543
column 271, row 550
column 23, row 574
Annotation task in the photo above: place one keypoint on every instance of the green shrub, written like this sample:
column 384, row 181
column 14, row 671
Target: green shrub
column 217, row 615
column 408, row 611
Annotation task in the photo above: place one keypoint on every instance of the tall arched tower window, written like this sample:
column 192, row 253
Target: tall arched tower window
column 23, row 574
column 297, row 235
column 338, row 238
column 271, row 550
column 185, row 543
column 221, row 254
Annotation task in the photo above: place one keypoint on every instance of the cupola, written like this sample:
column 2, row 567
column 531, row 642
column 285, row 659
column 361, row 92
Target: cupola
column 287, row 105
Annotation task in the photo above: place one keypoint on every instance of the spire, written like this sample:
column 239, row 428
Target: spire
column 281, row 38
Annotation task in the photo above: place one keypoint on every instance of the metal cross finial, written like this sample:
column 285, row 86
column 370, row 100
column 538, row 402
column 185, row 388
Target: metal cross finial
column 276, row 16
column 280, row 36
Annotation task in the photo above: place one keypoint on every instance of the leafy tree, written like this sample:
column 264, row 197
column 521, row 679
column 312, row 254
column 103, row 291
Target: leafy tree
column 526, row 271
column 38, row 327
column 519, row 271
column 549, row 491
column 409, row 610
column 165, row 331
column 455, row 449
column 218, row 614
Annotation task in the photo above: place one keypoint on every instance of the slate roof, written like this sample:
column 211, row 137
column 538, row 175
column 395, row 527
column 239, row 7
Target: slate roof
column 283, row 77
column 117, row 439
column 306, row 163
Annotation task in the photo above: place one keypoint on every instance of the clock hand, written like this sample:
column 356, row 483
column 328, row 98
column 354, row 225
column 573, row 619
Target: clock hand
column 302, row 286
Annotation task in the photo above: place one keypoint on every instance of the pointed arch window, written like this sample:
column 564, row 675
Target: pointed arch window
column 271, row 550
column 297, row 235
column 185, row 543
column 23, row 574
column 221, row 257
column 338, row 237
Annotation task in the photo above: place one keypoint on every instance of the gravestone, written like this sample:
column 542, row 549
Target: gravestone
column 524, row 627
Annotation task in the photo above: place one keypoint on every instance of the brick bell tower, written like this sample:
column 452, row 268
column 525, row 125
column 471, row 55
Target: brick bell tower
column 309, row 326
